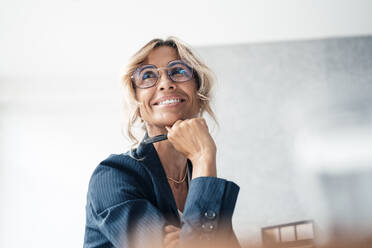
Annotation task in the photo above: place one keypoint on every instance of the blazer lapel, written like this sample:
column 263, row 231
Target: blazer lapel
column 163, row 192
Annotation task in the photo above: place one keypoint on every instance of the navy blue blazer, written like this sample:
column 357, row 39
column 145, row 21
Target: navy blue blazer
column 129, row 202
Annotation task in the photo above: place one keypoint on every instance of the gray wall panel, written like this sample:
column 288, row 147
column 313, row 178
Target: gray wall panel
column 266, row 94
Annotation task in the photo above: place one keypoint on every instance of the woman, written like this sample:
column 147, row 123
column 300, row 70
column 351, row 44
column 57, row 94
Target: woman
column 164, row 194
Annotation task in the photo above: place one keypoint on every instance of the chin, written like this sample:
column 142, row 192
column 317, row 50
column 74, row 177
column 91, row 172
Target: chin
column 169, row 120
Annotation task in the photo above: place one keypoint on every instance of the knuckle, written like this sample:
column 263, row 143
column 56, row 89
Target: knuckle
column 176, row 128
column 177, row 123
column 193, row 121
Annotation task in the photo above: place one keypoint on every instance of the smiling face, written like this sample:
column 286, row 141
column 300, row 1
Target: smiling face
column 166, row 102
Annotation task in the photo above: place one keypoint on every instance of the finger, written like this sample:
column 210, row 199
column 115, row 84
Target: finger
column 171, row 228
column 173, row 128
column 172, row 244
column 169, row 237
column 177, row 123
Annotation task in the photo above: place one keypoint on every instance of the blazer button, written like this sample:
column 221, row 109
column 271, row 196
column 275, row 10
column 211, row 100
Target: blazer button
column 208, row 227
column 210, row 215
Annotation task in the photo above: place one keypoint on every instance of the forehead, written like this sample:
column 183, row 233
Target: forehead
column 161, row 56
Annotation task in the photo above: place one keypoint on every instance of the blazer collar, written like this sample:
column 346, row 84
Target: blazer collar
column 147, row 153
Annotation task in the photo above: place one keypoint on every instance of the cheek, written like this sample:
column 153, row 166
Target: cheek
column 143, row 101
column 195, row 101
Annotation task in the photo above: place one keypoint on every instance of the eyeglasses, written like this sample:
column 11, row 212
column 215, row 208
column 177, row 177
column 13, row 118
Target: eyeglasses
column 146, row 76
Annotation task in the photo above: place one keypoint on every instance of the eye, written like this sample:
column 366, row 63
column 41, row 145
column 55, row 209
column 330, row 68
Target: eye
column 148, row 75
column 179, row 71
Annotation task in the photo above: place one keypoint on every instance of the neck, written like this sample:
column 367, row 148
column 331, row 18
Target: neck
column 173, row 161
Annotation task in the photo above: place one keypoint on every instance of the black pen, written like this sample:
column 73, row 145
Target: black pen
column 156, row 138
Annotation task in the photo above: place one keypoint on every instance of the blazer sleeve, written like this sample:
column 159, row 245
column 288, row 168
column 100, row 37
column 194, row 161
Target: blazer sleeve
column 208, row 212
column 121, row 211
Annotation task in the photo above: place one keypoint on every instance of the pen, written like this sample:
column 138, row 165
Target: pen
column 156, row 138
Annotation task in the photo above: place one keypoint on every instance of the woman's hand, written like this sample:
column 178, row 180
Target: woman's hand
column 191, row 137
column 171, row 237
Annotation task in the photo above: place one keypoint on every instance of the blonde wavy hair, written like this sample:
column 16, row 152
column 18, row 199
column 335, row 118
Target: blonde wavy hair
column 204, row 78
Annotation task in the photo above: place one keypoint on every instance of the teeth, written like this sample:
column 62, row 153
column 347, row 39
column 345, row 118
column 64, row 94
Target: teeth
column 170, row 101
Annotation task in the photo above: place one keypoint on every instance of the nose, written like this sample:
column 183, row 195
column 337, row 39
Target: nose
column 165, row 83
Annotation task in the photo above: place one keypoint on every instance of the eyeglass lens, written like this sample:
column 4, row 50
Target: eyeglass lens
column 147, row 76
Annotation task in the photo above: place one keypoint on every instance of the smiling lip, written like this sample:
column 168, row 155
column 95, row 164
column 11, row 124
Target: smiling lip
column 169, row 98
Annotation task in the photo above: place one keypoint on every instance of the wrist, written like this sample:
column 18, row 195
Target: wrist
column 203, row 161
column 204, row 156
column 204, row 166
column 203, row 173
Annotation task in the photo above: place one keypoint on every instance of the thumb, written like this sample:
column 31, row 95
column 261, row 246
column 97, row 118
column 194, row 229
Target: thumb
column 168, row 128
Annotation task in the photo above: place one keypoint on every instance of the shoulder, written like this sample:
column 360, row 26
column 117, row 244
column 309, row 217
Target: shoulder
column 118, row 178
column 119, row 167
column 119, row 163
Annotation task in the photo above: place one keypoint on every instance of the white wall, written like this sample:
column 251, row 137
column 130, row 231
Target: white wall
column 60, row 98
column 73, row 37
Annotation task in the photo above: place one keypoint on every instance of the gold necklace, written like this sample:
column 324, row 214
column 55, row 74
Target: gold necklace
column 182, row 180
